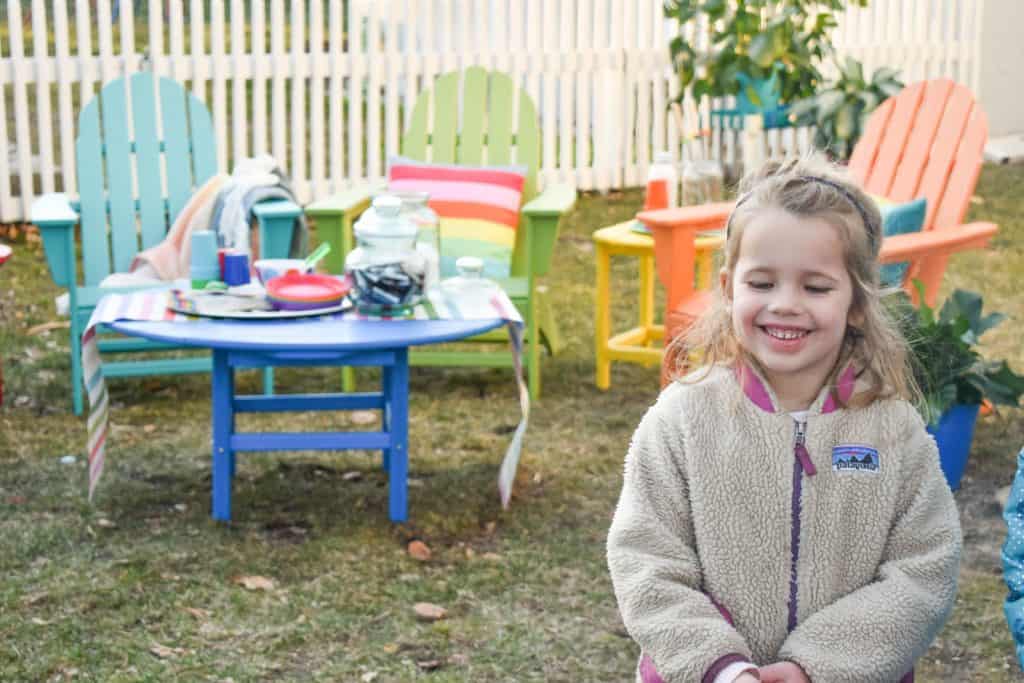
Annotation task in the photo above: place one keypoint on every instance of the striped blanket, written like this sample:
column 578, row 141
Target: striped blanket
column 153, row 305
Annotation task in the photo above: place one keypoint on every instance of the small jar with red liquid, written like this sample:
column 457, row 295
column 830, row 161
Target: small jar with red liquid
column 662, row 183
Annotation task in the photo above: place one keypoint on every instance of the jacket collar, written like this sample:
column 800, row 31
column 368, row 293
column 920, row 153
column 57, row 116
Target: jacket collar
column 760, row 394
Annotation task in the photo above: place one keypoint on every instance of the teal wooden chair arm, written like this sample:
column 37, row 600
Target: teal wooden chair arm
column 53, row 215
column 277, row 222
column 334, row 217
column 543, row 216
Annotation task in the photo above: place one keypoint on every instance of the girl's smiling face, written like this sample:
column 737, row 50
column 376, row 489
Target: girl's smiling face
column 791, row 297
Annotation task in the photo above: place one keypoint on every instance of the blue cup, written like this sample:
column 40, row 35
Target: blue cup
column 236, row 269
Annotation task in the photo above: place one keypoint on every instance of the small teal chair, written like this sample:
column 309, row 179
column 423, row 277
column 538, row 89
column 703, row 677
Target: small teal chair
column 123, row 207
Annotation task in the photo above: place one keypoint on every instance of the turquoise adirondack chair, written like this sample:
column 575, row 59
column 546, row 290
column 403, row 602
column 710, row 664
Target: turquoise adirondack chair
column 116, row 222
column 476, row 129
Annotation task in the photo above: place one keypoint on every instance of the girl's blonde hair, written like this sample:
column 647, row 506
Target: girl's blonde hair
column 806, row 187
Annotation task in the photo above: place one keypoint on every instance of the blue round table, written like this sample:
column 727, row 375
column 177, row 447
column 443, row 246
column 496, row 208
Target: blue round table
column 310, row 342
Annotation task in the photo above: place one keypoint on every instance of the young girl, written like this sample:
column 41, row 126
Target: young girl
column 783, row 515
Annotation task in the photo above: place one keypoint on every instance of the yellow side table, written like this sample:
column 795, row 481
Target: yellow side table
column 642, row 344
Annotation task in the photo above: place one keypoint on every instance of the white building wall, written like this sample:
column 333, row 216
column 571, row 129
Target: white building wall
column 1002, row 66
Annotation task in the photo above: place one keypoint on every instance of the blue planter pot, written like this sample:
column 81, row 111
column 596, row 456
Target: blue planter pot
column 953, row 435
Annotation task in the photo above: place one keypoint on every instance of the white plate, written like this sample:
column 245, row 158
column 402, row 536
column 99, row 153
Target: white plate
column 226, row 306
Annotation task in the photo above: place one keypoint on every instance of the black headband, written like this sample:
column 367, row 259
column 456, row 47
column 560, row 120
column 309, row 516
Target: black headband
column 869, row 225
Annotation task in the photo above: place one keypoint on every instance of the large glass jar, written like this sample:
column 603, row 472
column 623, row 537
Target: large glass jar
column 703, row 182
column 428, row 231
column 387, row 270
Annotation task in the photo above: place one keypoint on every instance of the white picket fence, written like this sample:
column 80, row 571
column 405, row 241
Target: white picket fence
column 324, row 85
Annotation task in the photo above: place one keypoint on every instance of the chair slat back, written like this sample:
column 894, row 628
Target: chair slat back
column 947, row 202
column 147, row 151
column 500, row 138
column 469, row 117
column 118, row 165
column 920, row 141
column 124, row 163
column 927, row 141
column 92, row 197
column 477, row 117
column 894, row 140
column 471, row 143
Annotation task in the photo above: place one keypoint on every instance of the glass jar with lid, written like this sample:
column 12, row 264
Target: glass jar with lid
column 428, row 232
column 387, row 270
column 469, row 286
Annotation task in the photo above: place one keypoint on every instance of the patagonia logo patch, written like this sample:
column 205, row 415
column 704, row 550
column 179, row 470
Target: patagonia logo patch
column 852, row 457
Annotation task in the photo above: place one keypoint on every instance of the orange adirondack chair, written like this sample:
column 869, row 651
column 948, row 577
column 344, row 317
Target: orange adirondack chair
column 927, row 141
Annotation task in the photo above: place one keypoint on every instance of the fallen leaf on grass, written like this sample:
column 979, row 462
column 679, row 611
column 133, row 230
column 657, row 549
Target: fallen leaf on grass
column 391, row 648
column 418, row 550
column 362, row 417
column 149, row 429
column 493, row 557
column 35, row 598
column 354, row 475
column 426, row 611
column 369, row 676
column 429, row 664
column 975, row 199
column 46, row 327
column 198, row 613
column 254, row 583
column 40, row 622
column 164, row 652
column 105, row 523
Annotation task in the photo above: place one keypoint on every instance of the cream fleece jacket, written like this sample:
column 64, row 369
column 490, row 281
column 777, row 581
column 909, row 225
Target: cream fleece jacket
column 849, row 572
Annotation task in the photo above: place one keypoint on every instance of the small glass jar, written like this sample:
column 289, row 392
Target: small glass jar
column 469, row 285
column 428, row 235
column 387, row 270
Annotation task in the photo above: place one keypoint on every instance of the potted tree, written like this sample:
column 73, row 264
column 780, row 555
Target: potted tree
column 953, row 377
column 784, row 40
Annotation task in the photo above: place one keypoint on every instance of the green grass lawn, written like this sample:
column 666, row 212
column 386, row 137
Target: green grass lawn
column 143, row 586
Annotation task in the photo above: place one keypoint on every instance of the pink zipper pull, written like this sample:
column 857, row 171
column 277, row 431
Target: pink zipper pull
column 805, row 460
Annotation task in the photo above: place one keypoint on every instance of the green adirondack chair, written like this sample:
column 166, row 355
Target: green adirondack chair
column 488, row 135
column 116, row 223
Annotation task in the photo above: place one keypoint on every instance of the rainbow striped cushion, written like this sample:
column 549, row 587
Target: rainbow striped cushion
column 477, row 207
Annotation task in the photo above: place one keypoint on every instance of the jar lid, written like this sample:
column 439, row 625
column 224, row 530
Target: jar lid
column 411, row 199
column 385, row 219
column 469, row 265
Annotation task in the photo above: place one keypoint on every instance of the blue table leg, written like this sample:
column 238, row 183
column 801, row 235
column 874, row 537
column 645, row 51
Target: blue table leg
column 385, row 414
column 396, row 407
column 223, row 426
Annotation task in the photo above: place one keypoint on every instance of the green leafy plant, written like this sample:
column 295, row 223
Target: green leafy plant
column 756, row 38
column 838, row 111
column 947, row 366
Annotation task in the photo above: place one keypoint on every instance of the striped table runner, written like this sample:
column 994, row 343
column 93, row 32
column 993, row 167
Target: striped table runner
column 153, row 305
